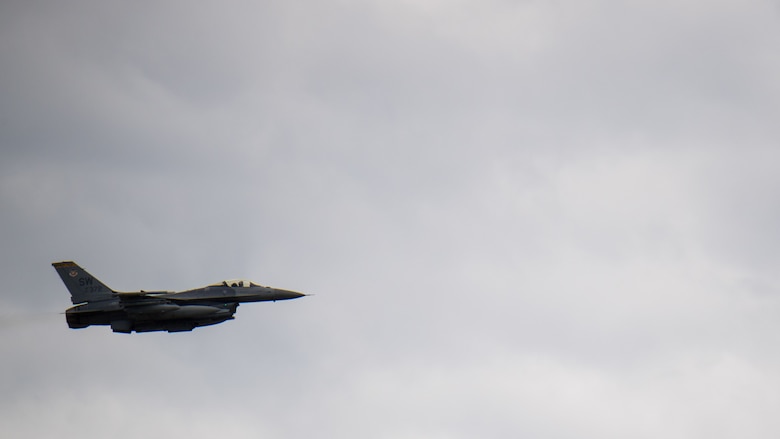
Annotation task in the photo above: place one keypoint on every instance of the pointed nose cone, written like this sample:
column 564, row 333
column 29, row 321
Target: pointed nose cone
column 287, row 294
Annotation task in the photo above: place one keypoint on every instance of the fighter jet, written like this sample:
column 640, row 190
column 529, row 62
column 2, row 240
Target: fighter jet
column 146, row 311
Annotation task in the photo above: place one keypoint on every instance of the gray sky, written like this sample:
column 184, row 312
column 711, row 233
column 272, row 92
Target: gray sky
column 519, row 219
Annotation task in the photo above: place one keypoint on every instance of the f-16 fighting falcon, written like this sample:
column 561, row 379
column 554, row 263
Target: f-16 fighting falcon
column 146, row 311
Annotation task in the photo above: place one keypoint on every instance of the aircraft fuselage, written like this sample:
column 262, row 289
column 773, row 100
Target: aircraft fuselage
column 145, row 311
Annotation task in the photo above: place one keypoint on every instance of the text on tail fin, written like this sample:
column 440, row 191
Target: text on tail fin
column 83, row 286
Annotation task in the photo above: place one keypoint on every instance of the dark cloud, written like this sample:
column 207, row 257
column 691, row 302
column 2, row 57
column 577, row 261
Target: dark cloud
column 518, row 218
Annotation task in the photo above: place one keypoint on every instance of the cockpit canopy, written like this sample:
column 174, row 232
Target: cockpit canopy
column 236, row 283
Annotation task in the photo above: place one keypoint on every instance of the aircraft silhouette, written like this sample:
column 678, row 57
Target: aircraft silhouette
column 146, row 311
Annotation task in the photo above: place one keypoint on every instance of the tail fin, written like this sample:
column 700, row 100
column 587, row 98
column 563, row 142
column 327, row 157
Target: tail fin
column 83, row 286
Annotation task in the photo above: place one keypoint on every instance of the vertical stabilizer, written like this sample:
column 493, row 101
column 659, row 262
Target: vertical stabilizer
column 83, row 286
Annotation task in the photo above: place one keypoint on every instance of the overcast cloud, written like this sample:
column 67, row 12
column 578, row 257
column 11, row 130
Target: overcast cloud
column 518, row 218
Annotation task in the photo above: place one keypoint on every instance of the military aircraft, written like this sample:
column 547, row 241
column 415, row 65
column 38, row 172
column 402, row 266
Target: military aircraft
column 146, row 311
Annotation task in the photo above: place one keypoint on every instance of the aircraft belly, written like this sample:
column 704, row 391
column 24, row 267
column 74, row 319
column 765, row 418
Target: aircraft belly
column 170, row 311
column 195, row 311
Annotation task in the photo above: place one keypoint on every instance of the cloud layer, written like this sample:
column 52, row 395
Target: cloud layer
column 519, row 219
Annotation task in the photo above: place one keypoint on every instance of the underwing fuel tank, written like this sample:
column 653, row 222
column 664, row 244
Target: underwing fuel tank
column 169, row 311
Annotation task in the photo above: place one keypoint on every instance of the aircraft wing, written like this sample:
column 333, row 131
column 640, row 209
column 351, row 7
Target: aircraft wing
column 141, row 293
column 139, row 298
